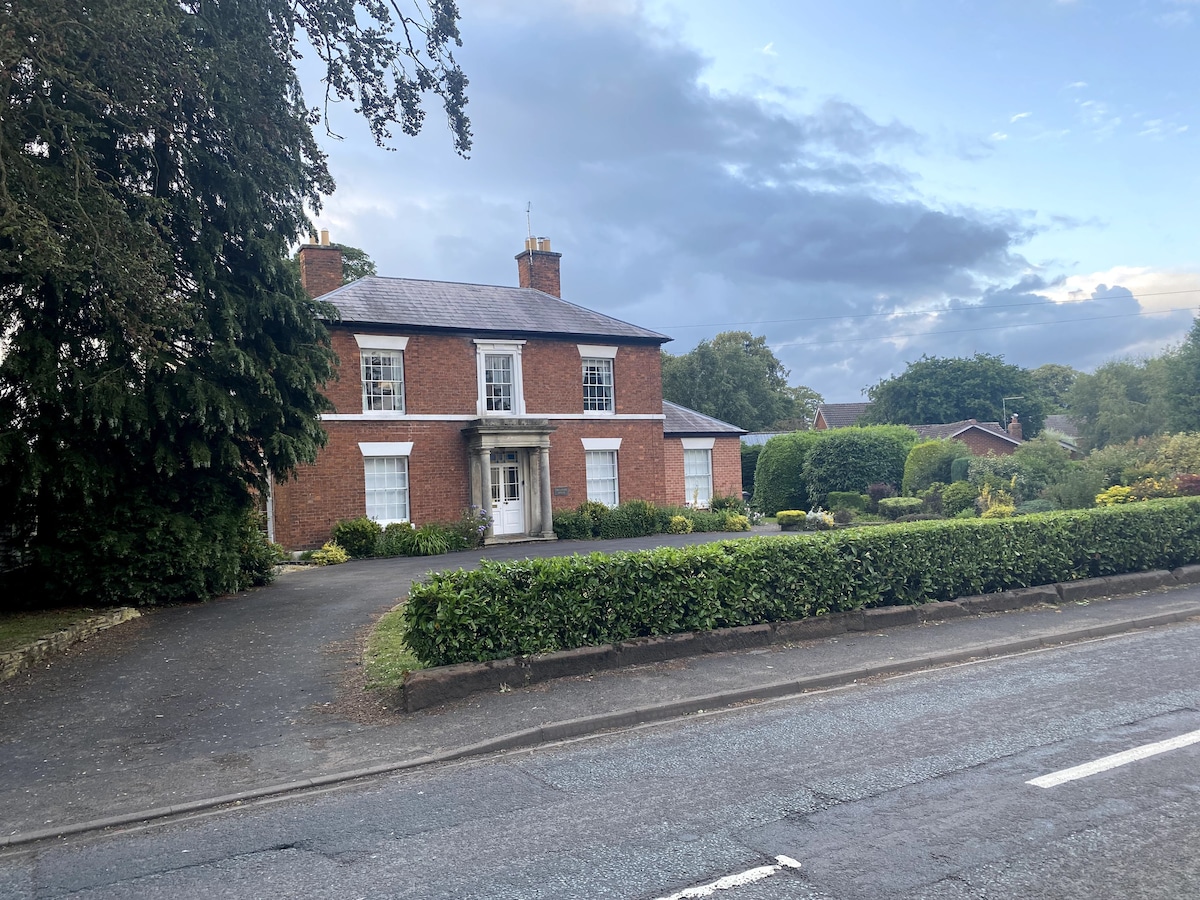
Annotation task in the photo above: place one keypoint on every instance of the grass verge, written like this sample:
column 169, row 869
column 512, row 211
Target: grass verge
column 21, row 628
column 387, row 656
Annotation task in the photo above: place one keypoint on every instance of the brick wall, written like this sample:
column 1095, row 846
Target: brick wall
column 439, row 374
column 639, row 461
column 726, row 469
column 553, row 374
column 981, row 442
column 334, row 488
column 727, row 466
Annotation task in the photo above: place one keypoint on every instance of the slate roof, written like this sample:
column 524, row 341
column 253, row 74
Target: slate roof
column 679, row 420
column 954, row 429
column 1064, row 425
column 759, row 438
column 449, row 306
column 841, row 415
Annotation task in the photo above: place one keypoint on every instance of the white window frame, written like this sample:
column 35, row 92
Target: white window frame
column 483, row 349
column 593, row 354
column 690, row 482
column 597, row 388
column 606, row 450
column 387, row 451
column 385, row 346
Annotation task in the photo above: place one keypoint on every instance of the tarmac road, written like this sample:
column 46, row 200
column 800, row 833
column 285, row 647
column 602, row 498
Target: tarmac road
column 908, row 788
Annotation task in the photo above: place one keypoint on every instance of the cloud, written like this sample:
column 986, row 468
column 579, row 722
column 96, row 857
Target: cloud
column 769, row 50
column 692, row 210
column 1019, row 116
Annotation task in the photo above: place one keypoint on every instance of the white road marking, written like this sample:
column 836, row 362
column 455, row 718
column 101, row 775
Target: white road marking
column 1117, row 759
column 731, row 881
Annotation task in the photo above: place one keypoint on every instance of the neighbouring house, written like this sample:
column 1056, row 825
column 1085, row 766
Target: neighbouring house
column 981, row 437
column 510, row 399
column 838, row 415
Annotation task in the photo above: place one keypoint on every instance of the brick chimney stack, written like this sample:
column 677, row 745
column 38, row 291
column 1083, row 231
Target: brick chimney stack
column 320, row 266
column 537, row 266
column 1014, row 429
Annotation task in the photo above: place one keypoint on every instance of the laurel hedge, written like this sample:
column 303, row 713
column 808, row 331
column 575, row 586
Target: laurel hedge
column 507, row 609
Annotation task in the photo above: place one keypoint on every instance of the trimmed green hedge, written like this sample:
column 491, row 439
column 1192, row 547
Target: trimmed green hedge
column 508, row 609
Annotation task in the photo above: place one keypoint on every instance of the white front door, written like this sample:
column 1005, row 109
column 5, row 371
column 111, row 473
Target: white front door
column 508, row 505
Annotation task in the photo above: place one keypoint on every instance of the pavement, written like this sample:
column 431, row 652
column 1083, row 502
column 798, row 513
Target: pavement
column 257, row 694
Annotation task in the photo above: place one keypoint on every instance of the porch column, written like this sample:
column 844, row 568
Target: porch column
column 485, row 484
column 544, row 483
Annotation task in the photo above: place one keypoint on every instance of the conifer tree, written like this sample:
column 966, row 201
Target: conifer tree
column 159, row 362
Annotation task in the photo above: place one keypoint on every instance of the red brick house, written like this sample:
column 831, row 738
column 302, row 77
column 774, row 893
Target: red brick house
column 981, row 437
column 453, row 395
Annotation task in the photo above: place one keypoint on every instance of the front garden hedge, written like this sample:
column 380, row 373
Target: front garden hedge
column 508, row 609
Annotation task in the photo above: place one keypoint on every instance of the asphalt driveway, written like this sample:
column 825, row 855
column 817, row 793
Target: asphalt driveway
column 225, row 691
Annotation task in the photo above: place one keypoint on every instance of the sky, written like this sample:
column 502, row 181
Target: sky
column 863, row 183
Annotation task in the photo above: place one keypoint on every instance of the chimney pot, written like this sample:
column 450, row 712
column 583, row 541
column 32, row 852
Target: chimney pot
column 324, row 237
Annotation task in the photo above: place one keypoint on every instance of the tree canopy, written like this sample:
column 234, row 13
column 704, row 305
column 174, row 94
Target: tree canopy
column 1053, row 382
column 159, row 362
column 736, row 378
column 1121, row 400
column 935, row 390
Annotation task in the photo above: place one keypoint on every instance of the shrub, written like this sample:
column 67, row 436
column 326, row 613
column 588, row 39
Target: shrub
column 895, row 507
column 513, row 608
column 1030, row 507
column 818, row 520
column 471, row 527
column 1152, row 489
column 876, row 492
column 596, row 512
column 957, row 497
column 843, row 516
column 706, row 521
column 432, row 539
column 932, row 497
column 998, row 511
column 396, row 540
column 619, row 523
column 779, row 476
column 679, row 525
column 1181, row 453
column 329, row 555
column 1114, row 495
column 642, row 516
column 1187, row 485
column 918, row 517
column 736, row 522
column 849, row 459
column 968, row 513
column 959, row 469
column 358, row 537
column 791, row 519
column 573, row 525
column 259, row 556
column 1077, row 490
column 929, row 462
column 847, row 500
